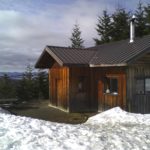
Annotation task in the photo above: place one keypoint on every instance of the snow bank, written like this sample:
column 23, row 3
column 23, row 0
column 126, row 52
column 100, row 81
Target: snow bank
column 117, row 115
column 114, row 129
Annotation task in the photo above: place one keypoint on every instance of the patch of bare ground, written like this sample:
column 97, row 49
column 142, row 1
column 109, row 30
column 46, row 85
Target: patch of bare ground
column 40, row 109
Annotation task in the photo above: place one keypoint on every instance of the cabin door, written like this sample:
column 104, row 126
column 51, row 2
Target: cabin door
column 111, row 92
column 58, row 92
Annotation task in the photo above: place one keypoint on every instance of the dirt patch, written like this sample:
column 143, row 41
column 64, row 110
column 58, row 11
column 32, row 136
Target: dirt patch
column 41, row 110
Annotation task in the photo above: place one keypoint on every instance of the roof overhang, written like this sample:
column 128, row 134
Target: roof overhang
column 75, row 65
column 54, row 56
column 108, row 65
column 47, row 59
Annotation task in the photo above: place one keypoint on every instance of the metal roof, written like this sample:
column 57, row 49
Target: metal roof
column 71, row 56
column 119, row 53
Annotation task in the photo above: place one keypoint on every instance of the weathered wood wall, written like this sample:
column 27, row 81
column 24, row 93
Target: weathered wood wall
column 139, row 103
column 106, row 101
column 140, row 69
column 93, row 97
column 80, row 99
column 65, row 93
column 59, row 86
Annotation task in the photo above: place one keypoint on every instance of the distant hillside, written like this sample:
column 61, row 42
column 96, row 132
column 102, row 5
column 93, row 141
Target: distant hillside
column 17, row 75
column 12, row 75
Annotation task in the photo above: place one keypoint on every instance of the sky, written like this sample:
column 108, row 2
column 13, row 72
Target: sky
column 27, row 26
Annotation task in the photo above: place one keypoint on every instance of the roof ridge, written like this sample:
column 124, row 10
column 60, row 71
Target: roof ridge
column 97, row 46
column 117, row 53
column 60, row 47
column 116, row 42
column 110, row 43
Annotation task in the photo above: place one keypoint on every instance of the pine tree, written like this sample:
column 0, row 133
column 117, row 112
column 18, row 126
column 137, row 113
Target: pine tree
column 7, row 88
column 27, row 89
column 120, row 25
column 103, row 29
column 76, row 39
column 140, row 20
column 22, row 90
column 43, row 86
column 29, row 72
column 147, row 18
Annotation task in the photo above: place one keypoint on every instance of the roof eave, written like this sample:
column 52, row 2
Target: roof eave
column 75, row 65
column 37, row 62
column 108, row 65
column 48, row 50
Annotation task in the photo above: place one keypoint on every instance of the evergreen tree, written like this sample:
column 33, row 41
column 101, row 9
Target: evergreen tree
column 120, row 25
column 7, row 88
column 29, row 82
column 33, row 85
column 22, row 90
column 140, row 20
column 43, row 86
column 27, row 88
column 103, row 29
column 29, row 72
column 76, row 39
column 147, row 18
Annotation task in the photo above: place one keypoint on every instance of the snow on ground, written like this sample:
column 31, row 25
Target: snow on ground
column 114, row 129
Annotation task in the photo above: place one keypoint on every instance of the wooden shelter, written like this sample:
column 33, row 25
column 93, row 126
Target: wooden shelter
column 100, row 77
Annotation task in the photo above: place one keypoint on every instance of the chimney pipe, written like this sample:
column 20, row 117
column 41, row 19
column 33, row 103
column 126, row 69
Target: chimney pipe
column 132, row 29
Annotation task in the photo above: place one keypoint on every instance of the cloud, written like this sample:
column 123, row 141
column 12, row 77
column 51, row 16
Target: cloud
column 26, row 27
column 24, row 35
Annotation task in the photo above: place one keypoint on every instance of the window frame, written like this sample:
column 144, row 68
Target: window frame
column 144, row 80
column 146, row 92
column 110, row 77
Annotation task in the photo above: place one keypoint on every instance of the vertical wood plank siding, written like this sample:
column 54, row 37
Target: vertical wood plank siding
column 59, row 86
column 139, row 103
column 106, row 101
column 93, row 98
column 65, row 93
column 80, row 100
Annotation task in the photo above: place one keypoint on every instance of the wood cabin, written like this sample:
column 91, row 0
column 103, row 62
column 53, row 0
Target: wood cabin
column 100, row 77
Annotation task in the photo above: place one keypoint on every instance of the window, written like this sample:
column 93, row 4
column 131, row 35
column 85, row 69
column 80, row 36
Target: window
column 147, row 85
column 140, row 86
column 111, row 85
column 143, row 86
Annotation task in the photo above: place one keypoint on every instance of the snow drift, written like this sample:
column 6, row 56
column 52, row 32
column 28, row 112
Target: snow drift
column 113, row 129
